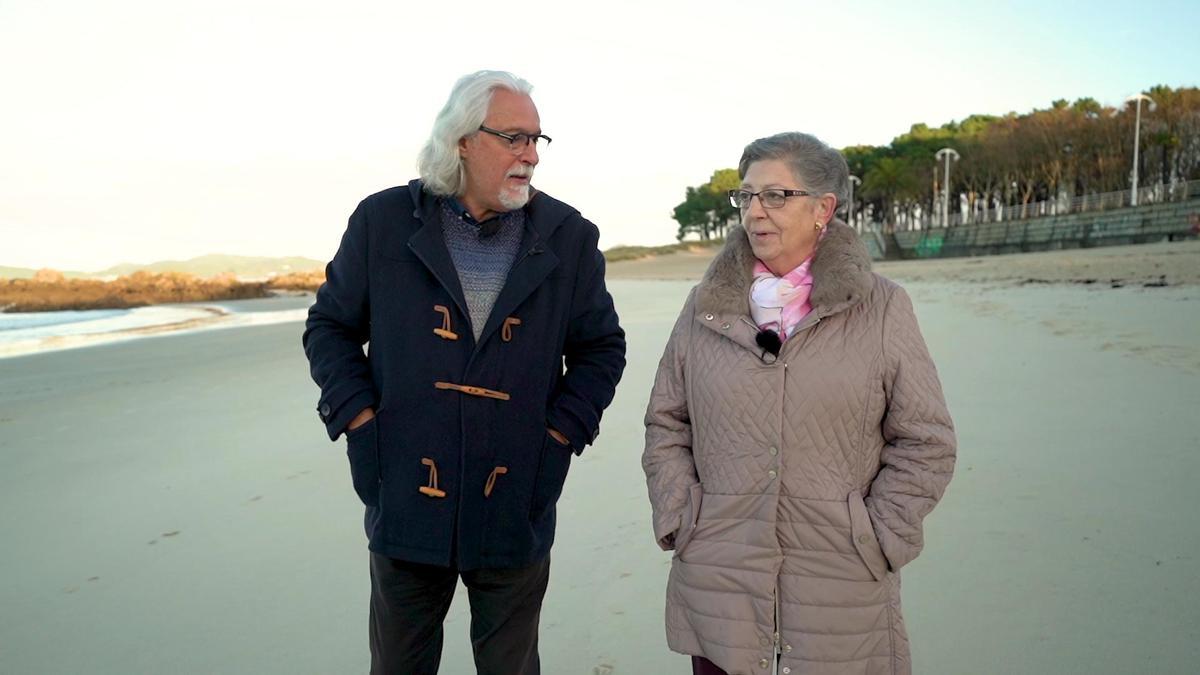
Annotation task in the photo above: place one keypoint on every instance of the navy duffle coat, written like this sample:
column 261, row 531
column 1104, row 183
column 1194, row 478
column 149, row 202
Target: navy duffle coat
column 457, row 468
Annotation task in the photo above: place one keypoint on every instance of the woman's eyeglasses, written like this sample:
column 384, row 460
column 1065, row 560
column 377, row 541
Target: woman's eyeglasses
column 770, row 199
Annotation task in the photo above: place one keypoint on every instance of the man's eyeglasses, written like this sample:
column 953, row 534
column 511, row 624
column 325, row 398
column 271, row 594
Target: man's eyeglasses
column 517, row 142
column 770, row 199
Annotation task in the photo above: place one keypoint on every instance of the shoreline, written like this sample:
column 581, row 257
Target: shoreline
column 175, row 320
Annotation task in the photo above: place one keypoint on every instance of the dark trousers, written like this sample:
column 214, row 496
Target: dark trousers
column 409, row 603
column 702, row 666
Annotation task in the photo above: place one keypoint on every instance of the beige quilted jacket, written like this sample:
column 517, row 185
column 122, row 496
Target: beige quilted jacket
column 792, row 490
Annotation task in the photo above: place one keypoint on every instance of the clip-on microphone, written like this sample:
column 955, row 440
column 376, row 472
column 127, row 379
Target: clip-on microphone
column 770, row 343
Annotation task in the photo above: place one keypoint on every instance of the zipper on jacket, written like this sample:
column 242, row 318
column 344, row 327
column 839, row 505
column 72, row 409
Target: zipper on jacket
column 776, row 651
column 802, row 335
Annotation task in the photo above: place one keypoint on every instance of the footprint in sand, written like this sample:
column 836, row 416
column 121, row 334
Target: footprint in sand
column 990, row 308
column 75, row 589
column 1057, row 327
column 172, row 533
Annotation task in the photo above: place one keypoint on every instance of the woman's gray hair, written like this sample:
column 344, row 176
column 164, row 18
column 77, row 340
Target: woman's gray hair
column 816, row 166
column 439, row 164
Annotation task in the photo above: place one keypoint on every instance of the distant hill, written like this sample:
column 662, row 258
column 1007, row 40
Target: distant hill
column 15, row 272
column 26, row 273
column 244, row 267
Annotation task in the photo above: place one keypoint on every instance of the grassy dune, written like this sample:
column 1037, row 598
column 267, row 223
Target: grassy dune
column 49, row 290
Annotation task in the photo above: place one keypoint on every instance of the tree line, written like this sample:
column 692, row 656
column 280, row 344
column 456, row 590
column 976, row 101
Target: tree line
column 1066, row 150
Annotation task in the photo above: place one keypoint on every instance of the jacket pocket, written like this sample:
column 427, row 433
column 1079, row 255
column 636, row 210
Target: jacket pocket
column 551, row 474
column 862, row 533
column 690, row 518
column 362, row 447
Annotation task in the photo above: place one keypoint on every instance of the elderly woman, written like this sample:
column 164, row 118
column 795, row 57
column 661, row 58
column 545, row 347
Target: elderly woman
column 796, row 437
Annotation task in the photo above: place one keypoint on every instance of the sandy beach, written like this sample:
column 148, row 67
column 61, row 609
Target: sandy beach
column 171, row 504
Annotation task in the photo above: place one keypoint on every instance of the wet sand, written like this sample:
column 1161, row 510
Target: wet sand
column 171, row 504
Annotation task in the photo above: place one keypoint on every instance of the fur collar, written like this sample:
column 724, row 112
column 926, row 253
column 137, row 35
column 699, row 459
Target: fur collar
column 841, row 272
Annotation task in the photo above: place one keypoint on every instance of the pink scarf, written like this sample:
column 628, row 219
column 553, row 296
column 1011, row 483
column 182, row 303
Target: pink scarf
column 780, row 303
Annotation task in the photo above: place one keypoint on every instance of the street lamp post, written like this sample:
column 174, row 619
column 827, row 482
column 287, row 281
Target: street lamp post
column 1133, row 187
column 947, row 154
column 854, row 180
column 1069, row 152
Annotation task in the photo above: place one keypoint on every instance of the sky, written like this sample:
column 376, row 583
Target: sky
column 136, row 131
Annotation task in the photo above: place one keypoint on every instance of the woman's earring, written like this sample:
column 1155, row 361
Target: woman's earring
column 818, row 226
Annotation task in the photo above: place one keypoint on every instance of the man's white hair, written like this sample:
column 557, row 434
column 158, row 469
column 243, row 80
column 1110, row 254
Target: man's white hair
column 439, row 164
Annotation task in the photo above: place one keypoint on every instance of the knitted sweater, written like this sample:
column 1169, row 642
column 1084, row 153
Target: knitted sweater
column 481, row 260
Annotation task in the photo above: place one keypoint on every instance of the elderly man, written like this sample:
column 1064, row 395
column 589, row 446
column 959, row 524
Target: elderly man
column 494, row 349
